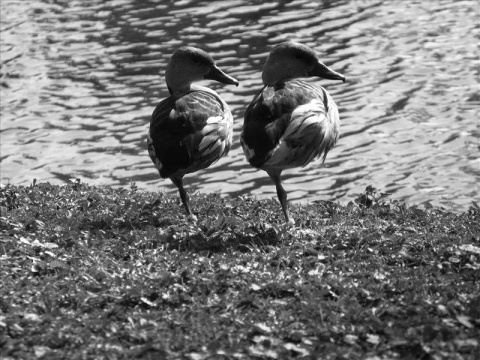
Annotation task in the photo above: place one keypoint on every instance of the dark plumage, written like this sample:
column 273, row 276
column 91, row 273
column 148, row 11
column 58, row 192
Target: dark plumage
column 192, row 128
column 290, row 122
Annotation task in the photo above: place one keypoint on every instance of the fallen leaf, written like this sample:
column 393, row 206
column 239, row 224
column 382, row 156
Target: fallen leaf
column 24, row 240
column 448, row 322
column 49, row 245
column 350, row 339
column 266, row 341
column 40, row 351
column 262, row 328
column 255, row 287
column 378, row 276
column 196, row 356
column 465, row 321
column 442, row 309
column 40, row 223
column 373, row 339
column 31, row 317
column 318, row 271
column 297, row 349
column 260, row 351
column 454, row 259
column 467, row 343
column 470, row 247
column 148, row 302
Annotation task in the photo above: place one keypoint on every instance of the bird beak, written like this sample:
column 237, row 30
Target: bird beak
column 216, row 74
column 323, row 71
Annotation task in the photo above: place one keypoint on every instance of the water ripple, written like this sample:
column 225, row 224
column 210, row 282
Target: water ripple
column 79, row 81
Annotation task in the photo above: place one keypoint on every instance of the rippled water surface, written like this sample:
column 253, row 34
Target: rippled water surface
column 80, row 79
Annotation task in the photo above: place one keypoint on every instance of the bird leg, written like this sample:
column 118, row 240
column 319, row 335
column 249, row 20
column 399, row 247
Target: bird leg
column 275, row 175
column 178, row 181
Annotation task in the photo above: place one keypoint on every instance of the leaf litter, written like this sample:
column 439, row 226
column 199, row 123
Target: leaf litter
column 91, row 272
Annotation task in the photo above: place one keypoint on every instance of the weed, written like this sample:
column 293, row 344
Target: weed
column 92, row 272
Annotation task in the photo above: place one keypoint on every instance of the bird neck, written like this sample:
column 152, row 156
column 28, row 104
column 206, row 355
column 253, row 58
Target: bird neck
column 278, row 72
column 179, row 81
column 179, row 91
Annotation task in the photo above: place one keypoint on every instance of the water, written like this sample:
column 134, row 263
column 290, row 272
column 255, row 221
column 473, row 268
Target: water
column 80, row 79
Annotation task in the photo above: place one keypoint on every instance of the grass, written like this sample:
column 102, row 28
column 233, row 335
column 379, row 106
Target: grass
column 101, row 273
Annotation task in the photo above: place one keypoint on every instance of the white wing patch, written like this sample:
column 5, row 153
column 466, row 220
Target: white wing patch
column 311, row 133
column 209, row 144
column 215, row 120
column 217, row 136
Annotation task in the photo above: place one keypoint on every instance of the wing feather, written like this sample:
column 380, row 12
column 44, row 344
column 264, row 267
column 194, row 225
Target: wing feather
column 289, row 126
column 190, row 133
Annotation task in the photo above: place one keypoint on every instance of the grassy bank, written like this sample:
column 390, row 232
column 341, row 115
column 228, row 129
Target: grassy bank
column 98, row 273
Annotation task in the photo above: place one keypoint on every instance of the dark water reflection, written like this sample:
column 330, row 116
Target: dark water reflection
column 79, row 80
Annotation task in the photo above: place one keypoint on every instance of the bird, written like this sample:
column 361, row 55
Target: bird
column 193, row 127
column 290, row 121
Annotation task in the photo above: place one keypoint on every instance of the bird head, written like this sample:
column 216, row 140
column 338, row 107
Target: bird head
column 290, row 60
column 189, row 64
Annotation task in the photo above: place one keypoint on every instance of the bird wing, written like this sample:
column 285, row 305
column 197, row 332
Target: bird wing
column 189, row 133
column 289, row 125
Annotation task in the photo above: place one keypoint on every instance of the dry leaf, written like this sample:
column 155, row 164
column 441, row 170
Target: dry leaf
column 465, row 321
column 373, row 339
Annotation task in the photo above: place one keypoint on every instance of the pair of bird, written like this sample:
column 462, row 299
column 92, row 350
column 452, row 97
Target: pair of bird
column 288, row 123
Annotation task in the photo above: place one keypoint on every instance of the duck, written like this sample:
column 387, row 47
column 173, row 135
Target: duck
column 290, row 121
column 193, row 127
